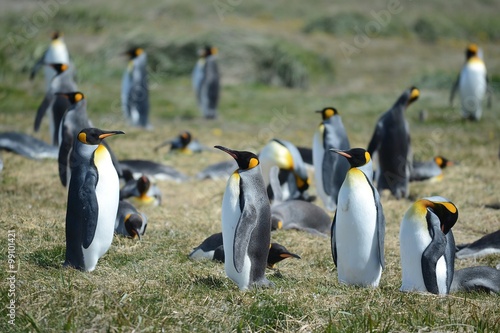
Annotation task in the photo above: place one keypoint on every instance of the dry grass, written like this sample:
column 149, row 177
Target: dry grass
column 150, row 286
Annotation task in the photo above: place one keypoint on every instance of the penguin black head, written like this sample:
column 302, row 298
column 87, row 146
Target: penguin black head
column 327, row 113
column 185, row 138
column 56, row 35
column 134, row 52
column 133, row 224
column 73, row 97
column 143, row 184
column 445, row 210
column 245, row 159
column 59, row 68
column 442, row 162
column 209, row 50
column 277, row 253
column 94, row 136
column 356, row 157
column 471, row 51
column 413, row 94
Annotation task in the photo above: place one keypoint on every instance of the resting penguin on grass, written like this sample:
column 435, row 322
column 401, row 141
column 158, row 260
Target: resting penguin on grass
column 129, row 222
column 488, row 244
column 391, row 142
column 427, row 246
column 93, row 197
column 246, row 222
column 358, row 229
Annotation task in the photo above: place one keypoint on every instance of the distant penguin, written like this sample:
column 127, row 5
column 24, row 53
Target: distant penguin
column 27, row 146
column 56, row 53
column 135, row 91
column 154, row 170
column 129, row 222
column 477, row 278
column 429, row 170
column 427, row 246
column 329, row 169
column 183, row 143
column 93, row 197
column 472, row 83
column 141, row 191
column 212, row 248
column 73, row 121
column 220, row 170
column 246, row 222
column 488, row 244
column 391, row 142
column 297, row 214
column 206, row 82
column 53, row 104
column 358, row 229
column 287, row 158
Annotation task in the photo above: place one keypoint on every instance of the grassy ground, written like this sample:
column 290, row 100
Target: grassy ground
column 151, row 286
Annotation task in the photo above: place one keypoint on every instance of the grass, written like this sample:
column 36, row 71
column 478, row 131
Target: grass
column 151, row 285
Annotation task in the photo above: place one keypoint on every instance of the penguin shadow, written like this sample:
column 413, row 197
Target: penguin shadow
column 48, row 258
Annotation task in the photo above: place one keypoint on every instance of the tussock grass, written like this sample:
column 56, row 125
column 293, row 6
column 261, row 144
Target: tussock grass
column 151, row 285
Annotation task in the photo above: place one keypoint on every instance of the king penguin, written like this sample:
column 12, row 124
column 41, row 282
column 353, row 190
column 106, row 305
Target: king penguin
column 391, row 142
column 53, row 104
column 427, row 246
column 329, row 169
column 246, row 222
column 472, row 83
column 206, row 82
column 135, row 91
column 56, row 53
column 183, row 143
column 129, row 222
column 488, row 244
column 429, row 170
column 287, row 158
column 93, row 197
column 358, row 229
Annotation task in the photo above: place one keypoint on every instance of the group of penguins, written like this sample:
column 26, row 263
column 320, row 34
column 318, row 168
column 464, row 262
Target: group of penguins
column 264, row 191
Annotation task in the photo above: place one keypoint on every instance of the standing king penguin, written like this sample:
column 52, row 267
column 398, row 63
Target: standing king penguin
column 329, row 169
column 135, row 91
column 93, row 198
column 358, row 229
column 53, row 104
column 206, row 82
column 246, row 222
column 427, row 245
column 391, row 141
column 472, row 83
column 56, row 53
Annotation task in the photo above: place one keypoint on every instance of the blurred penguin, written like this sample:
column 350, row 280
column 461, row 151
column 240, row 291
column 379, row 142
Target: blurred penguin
column 429, row 170
column 183, row 143
column 135, row 93
column 55, row 105
column 206, row 82
column 391, row 142
column 56, row 53
column 488, row 244
column 141, row 191
column 129, row 222
column 472, row 83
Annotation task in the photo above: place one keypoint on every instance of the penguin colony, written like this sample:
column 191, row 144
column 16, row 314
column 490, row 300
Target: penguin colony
column 344, row 178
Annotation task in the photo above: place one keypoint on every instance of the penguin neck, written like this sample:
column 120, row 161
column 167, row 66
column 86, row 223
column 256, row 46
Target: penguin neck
column 367, row 169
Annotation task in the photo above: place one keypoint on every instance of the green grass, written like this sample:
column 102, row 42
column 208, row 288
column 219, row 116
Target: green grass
column 151, row 285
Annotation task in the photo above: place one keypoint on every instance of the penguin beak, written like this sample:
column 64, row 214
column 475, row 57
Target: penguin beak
column 227, row 150
column 110, row 133
column 340, row 152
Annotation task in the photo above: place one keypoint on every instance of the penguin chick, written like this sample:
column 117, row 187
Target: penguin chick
column 358, row 228
column 329, row 169
column 488, row 244
column 129, row 222
column 141, row 191
column 246, row 222
column 430, row 170
column 479, row 278
column 93, row 196
column 391, row 142
column 472, row 84
column 135, row 91
column 427, row 246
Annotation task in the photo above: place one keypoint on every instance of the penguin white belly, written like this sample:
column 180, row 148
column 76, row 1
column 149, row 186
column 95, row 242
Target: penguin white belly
column 230, row 216
column 472, row 88
column 318, row 152
column 441, row 273
column 107, row 193
column 358, row 261
column 414, row 239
